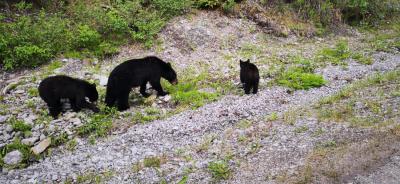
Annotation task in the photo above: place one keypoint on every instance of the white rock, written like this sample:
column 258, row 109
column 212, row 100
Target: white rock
column 3, row 119
column 76, row 121
column 12, row 158
column 41, row 146
column 20, row 91
column 42, row 137
column 9, row 128
column 103, row 80
column 29, row 141
column 167, row 98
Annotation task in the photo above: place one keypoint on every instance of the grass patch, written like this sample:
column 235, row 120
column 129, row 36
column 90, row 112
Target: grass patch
column 99, row 124
column 19, row 125
column 92, row 177
column 153, row 162
column 27, row 155
column 336, row 55
column 219, row 170
column 300, row 75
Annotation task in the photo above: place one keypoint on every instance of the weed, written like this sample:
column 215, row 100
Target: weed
column 152, row 162
column 71, row 145
column 33, row 92
column 59, row 140
column 244, row 123
column 272, row 117
column 301, row 129
column 336, row 55
column 219, row 170
column 366, row 60
column 24, row 149
column 19, row 125
column 92, row 177
column 99, row 124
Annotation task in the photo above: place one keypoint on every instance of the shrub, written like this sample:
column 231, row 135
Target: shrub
column 87, row 37
column 19, row 125
column 219, row 170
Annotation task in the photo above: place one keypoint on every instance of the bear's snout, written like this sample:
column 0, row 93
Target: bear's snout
column 174, row 82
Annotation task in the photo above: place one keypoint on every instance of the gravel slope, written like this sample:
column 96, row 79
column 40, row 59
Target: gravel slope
column 119, row 153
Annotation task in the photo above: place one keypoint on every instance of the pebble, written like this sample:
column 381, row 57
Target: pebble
column 12, row 158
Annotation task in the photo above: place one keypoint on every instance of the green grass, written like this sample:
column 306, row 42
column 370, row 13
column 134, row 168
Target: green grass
column 33, row 92
column 152, row 162
column 19, row 125
column 27, row 155
column 99, row 124
column 298, row 80
column 336, row 55
column 219, row 170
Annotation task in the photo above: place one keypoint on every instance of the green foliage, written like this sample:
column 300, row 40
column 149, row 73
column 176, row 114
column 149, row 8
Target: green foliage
column 228, row 6
column 89, row 27
column 33, row 92
column 366, row 60
column 99, row 124
column 17, row 145
column 300, row 76
column 336, row 55
column 59, row 140
column 207, row 3
column 186, row 92
column 19, row 125
column 152, row 162
column 219, row 170
column 331, row 12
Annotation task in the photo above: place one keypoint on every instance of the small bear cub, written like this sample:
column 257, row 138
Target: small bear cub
column 54, row 89
column 249, row 76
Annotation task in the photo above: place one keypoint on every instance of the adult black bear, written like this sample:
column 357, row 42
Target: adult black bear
column 53, row 89
column 137, row 72
column 249, row 76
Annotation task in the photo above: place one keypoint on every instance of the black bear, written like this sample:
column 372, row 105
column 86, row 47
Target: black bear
column 137, row 72
column 53, row 89
column 249, row 76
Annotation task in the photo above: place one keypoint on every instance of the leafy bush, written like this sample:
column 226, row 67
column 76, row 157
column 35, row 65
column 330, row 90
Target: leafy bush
column 19, row 125
column 87, row 37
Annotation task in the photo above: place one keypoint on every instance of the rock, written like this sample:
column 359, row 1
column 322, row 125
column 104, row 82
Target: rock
column 167, row 98
column 12, row 158
column 30, row 119
column 41, row 146
column 42, row 137
column 6, row 136
column 20, row 91
column 103, row 80
column 9, row 128
column 3, row 119
column 76, row 121
column 30, row 141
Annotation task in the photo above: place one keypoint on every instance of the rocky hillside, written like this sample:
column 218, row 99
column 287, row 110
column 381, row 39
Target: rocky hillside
column 344, row 129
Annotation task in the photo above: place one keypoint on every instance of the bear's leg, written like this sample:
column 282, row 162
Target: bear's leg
column 74, row 105
column 247, row 88
column 157, row 86
column 123, row 100
column 54, row 108
column 143, row 90
column 255, row 88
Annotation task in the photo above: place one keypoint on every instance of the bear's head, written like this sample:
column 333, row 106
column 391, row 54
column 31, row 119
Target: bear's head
column 91, row 92
column 169, row 74
column 244, row 63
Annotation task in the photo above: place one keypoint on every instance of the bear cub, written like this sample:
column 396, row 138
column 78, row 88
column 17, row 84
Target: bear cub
column 249, row 76
column 134, row 73
column 55, row 88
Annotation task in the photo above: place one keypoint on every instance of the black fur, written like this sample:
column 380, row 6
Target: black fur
column 55, row 88
column 249, row 76
column 134, row 73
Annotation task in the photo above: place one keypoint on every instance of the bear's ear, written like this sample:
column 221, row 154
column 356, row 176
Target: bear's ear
column 248, row 61
column 241, row 61
column 169, row 64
